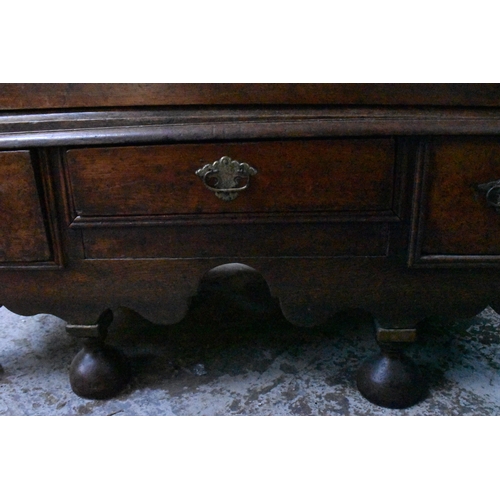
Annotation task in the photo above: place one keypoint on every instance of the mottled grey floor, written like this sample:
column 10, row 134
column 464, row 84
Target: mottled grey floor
column 245, row 360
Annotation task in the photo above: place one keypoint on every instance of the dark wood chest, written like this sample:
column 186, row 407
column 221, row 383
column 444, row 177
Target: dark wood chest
column 384, row 197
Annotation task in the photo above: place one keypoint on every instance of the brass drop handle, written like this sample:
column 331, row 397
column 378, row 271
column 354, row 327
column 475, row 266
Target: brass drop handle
column 492, row 190
column 223, row 177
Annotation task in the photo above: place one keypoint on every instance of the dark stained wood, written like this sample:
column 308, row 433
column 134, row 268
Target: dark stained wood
column 310, row 290
column 359, row 188
column 23, row 236
column 131, row 221
column 174, row 125
column 391, row 379
column 239, row 241
column 458, row 220
column 98, row 371
column 162, row 180
column 78, row 95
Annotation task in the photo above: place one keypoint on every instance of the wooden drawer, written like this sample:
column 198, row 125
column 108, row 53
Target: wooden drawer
column 23, row 236
column 292, row 176
column 457, row 223
column 237, row 241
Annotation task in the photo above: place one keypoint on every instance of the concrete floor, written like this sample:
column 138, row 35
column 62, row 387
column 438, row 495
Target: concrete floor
column 246, row 360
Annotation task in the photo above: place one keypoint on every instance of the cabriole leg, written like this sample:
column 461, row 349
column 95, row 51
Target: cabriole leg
column 391, row 379
column 98, row 371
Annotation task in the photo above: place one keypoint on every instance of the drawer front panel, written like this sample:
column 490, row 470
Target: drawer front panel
column 292, row 176
column 458, row 219
column 261, row 240
column 23, row 236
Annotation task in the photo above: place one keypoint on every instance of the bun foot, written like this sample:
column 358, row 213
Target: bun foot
column 391, row 382
column 391, row 379
column 98, row 371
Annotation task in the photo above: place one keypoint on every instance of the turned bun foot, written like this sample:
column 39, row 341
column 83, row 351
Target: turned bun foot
column 391, row 381
column 98, row 371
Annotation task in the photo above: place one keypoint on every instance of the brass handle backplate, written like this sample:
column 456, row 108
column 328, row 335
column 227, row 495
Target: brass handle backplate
column 224, row 177
column 492, row 190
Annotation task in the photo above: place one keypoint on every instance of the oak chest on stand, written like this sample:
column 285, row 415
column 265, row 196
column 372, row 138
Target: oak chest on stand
column 383, row 197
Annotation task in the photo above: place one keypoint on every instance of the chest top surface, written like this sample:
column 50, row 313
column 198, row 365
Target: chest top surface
column 99, row 95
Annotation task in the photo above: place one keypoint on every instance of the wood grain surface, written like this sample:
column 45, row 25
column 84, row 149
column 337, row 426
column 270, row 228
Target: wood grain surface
column 22, row 230
column 293, row 176
column 459, row 221
column 98, row 95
